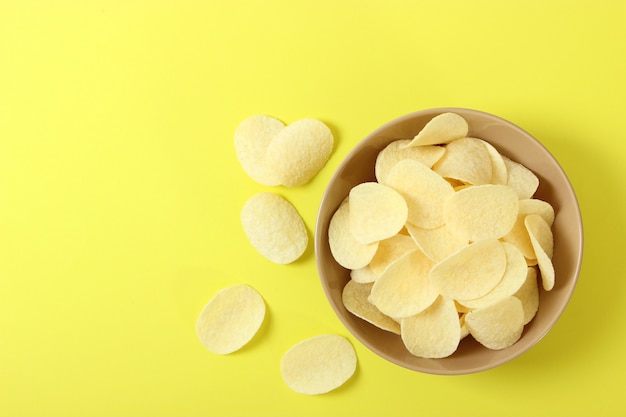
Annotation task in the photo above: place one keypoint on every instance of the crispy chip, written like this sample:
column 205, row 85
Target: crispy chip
column 398, row 150
column 252, row 138
column 404, row 289
column 528, row 294
column 471, row 272
column 377, row 212
column 437, row 243
column 389, row 250
column 498, row 325
column 521, row 179
column 465, row 160
column 347, row 251
column 518, row 235
column 441, row 129
column 300, row 151
column 499, row 173
column 464, row 330
column 274, row 227
column 482, row 212
column 363, row 275
column 319, row 364
column 230, row 319
column 433, row 333
column 543, row 244
column 423, row 189
column 355, row 300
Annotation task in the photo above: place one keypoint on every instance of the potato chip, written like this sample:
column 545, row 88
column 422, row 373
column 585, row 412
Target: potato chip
column 482, row 212
column 355, row 300
column 521, row 179
column 513, row 278
column 389, row 250
column 471, row 272
column 438, row 243
column 499, row 173
column 528, row 294
column 300, row 151
column 252, row 138
column 464, row 330
column 465, row 160
column 230, row 319
column 377, row 212
column 347, row 251
column 274, row 227
column 498, row 325
column 543, row 243
column 319, row 364
column 404, row 288
column 433, row 333
column 423, row 189
column 398, row 150
column 518, row 235
column 363, row 275
column 441, row 129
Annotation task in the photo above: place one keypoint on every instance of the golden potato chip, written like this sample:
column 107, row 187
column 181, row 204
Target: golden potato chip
column 466, row 160
column 230, row 319
column 441, row 129
column 355, row 300
column 498, row 325
column 389, row 250
column 433, row 333
column 499, row 173
column 521, row 179
column 423, row 189
column 438, row 243
column 513, row 278
column 404, row 289
column 482, row 212
column 377, row 212
column 252, row 138
column 398, row 150
column 363, row 275
column 347, row 251
column 543, row 243
column 300, row 151
column 274, row 227
column 471, row 272
column 528, row 294
column 518, row 235
column 319, row 364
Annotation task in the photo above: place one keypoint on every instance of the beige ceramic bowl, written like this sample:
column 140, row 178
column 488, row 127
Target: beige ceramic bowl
column 554, row 187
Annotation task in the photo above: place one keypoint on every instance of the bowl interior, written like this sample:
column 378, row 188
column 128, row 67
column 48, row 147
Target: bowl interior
column 554, row 187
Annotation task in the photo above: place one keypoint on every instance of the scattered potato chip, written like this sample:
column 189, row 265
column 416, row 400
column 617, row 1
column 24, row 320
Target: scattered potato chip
column 355, row 300
column 482, row 212
column 433, row 333
column 252, row 138
column 471, row 272
column 389, row 250
column 274, row 227
column 518, row 235
column 398, row 150
column 499, row 173
column 404, row 288
column 521, row 179
column 319, row 364
column 423, row 189
column 441, row 129
column 230, row 319
column 438, row 243
column 299, row 151
column 466, row 160
column 377, row 212
column 498, row 325
column 543, row 244
column 528, row 294
column 347, row 251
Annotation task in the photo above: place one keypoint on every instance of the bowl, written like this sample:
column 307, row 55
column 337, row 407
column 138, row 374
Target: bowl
column 554, row 187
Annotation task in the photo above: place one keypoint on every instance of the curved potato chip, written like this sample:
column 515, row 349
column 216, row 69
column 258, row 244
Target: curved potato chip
column 438, row 243
column 518, row 235
column 543, row 243
column 423, row 189
column 274, row 227
column 466, row 160
column 528, row 294
column 398, row 150
column 230, row 319
column 389, row 250
column 355, row 300
column 300, row 151
column 471, row 272
column 441, row 129
column 319, row 364
column 482, row 212
column 252, row 138
column 499, row 173
column 347, row 251
column 404, row 289
column 521, row 179
column 363, row 275
column 498, row 325
column 433, row 333
column 377, row 212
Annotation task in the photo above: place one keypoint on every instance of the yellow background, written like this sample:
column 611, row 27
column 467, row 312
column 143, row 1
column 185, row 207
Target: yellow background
column 120, row 193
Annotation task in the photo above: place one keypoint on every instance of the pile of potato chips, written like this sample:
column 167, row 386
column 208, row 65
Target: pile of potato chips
column 447, row 242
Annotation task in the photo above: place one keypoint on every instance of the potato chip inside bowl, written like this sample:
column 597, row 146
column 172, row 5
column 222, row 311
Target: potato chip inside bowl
column 488, row 198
